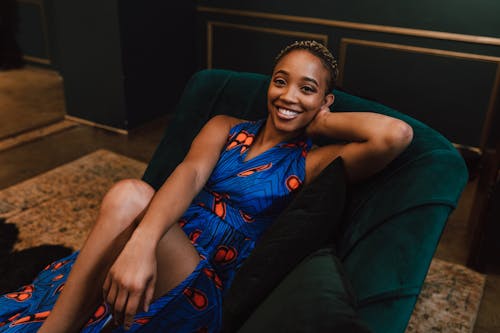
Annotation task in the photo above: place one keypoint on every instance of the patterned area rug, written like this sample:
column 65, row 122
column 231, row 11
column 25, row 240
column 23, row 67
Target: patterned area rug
column 449, row 300
column 59, row 207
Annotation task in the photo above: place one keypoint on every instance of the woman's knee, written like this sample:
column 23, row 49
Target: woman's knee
column 127, row 198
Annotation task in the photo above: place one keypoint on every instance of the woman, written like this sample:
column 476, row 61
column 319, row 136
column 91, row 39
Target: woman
column 163, row 260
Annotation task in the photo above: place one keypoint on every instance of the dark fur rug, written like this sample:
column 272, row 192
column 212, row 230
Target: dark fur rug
column 18, row 268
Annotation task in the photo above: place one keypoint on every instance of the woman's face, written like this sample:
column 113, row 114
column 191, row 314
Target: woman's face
column 297, row 91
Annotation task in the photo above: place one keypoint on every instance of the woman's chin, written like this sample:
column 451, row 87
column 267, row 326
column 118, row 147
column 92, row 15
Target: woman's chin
column 288, row 125
column 286, row 119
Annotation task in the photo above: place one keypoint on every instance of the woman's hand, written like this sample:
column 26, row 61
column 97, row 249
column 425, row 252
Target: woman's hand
column 131, row 280
column 318, row 122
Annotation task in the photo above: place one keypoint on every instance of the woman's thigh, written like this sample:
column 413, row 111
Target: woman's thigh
column 176, row 258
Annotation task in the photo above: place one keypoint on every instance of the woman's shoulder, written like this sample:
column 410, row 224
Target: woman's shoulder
column 233, row 124
column 223, row 123
column 225, row 120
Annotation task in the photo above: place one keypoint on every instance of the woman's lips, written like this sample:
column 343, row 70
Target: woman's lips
column 287, row 114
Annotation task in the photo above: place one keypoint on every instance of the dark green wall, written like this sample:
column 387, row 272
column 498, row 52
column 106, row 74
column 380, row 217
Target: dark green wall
column 459, row 16
column 122, row 62
column 157, row 50
column 28, row 24
column 89, row 59
column 126, row 62
column 446, row 81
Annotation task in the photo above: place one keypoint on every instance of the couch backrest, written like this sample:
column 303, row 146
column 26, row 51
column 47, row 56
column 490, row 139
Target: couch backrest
column 208, row 93
column 393, row 221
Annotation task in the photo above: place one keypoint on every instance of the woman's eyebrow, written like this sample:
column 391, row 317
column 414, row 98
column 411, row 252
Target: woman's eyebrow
column 310, row 79
column 304, row 78
column 281, row 71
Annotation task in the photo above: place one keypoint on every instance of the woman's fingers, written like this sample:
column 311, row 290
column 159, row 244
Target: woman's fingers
column 126, row 283
column 124, row 300
column 133, row 301
column 106, row 287
column 148, row 294
column 119, row 306
column 112, row 293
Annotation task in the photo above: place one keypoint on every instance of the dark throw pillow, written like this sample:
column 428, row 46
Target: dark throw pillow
column 306, row 225
column 314, row 298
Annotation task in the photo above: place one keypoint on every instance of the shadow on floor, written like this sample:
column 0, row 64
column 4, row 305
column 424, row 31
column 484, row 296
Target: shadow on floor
column 18, row 268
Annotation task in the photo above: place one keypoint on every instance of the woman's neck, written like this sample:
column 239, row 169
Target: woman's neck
column 270, row 136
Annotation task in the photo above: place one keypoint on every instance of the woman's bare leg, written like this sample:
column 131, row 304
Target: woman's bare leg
column 120, row 210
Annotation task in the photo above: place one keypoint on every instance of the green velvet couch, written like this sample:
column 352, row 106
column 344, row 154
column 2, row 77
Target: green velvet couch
column 393, row 221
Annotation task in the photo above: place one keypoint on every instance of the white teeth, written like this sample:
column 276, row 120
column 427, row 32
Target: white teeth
column 287, row 113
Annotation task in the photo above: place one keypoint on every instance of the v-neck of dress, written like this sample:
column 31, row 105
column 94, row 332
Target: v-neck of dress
column 243, row 156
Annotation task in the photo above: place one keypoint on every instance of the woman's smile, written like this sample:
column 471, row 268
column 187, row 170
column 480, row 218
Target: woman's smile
column 287, row 114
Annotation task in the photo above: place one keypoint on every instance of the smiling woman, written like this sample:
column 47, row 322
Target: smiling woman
column 163, row 260
column 298, row 91
column 300, row 83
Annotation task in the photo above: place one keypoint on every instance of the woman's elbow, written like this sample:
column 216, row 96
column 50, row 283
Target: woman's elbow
column 398, row 136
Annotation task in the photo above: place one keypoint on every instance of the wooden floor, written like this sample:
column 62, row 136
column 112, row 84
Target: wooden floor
column 32, row 158
column 20, row 108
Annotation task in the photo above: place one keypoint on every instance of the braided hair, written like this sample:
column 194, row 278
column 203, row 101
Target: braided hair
column 318, row 50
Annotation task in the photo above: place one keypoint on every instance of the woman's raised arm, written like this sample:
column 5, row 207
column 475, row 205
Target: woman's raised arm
column 373, row 141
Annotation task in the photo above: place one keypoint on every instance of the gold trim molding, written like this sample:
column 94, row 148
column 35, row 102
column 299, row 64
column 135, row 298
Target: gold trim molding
column 489, row 116
column 33, row 2
column 37, row 60
column 356, row 26
column 344, row 42
column 212, row 24
column 94, row 124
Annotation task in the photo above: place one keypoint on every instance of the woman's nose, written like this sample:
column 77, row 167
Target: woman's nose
column 289, row 95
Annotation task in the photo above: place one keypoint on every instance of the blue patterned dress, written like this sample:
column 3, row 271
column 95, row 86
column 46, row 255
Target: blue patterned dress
column 225, row 220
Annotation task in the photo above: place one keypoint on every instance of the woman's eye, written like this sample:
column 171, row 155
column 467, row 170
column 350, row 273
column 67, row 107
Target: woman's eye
column 308, row 89
column 279, row 82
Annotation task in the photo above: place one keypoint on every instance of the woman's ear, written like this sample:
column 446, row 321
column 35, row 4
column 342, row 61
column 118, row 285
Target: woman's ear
column 329, row 98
